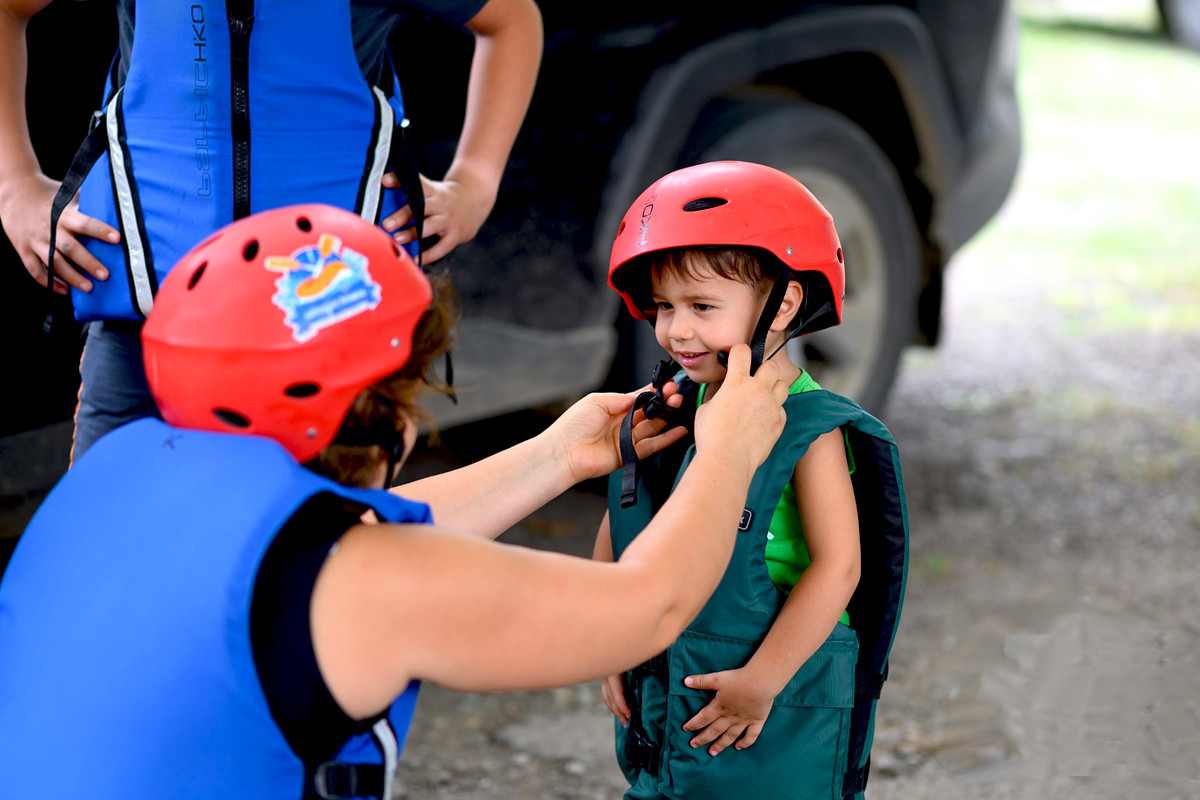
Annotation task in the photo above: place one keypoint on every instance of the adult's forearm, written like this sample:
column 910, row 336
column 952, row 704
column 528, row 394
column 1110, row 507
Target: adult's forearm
column 490, row 496
column 690, row 540
column 17, row 158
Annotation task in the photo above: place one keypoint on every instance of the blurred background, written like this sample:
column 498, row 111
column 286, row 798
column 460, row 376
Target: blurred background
column 1050, row 440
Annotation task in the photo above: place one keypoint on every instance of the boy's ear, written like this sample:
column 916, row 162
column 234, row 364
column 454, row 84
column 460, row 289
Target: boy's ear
column 790, row 306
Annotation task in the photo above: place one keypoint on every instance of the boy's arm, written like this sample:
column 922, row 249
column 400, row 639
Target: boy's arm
column 504, row 70
column 825, row 498
column 25, row 192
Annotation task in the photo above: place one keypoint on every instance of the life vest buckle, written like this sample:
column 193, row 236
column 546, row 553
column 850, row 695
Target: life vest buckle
column 337, row 780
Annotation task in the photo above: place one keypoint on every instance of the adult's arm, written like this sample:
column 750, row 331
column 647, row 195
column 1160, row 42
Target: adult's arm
column 504, row 69
column 400, row 602
column 26, row 194
column 490, row 496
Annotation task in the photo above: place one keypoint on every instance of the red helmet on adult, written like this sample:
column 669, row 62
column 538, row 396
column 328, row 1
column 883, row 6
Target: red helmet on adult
column 736, row 204
column 276, row 323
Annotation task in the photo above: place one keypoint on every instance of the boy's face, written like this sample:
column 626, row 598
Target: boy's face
column 701, row 316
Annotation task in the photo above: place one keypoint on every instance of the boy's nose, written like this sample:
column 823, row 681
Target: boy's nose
column 680, row 329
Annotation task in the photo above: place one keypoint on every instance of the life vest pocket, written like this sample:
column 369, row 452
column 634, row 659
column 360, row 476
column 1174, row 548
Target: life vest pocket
column 803, row 747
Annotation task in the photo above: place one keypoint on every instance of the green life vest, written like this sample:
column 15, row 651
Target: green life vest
column 817, row 740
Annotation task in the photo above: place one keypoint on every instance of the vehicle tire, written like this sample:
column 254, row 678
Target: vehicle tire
column 1182, row 20
column 849, row 173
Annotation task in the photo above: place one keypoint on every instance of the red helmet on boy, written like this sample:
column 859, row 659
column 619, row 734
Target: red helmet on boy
column 274, row 325
column 736, row 204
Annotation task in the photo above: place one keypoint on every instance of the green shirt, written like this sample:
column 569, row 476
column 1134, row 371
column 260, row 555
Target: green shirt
column 786, row 553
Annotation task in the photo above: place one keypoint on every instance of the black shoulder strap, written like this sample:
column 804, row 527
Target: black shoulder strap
column 401, row 158
column 89, row 152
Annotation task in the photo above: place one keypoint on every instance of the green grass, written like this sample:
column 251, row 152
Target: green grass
column 1109, row 190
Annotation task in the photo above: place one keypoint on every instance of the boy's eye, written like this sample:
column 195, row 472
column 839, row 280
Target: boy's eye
column 701, row 306
column 663, row 305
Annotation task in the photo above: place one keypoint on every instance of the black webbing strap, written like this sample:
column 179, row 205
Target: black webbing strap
column 404, row 164
column 335, row 780
column 855, row 781
column 94, row 145
column 656, row 666
column 640, row 751
column 868, row 684
column 758, row 341
column 653, row 403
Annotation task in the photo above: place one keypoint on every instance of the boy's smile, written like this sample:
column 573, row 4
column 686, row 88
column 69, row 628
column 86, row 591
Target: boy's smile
column 699, row 316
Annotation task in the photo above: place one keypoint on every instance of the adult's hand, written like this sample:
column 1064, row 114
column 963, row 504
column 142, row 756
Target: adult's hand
column 744, row 418
column 25, row 213
column 589, row 432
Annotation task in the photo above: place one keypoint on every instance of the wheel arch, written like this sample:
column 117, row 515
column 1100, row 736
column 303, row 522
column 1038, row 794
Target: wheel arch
column 884, row 49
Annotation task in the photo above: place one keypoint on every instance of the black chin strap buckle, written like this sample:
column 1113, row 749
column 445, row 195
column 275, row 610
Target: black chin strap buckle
column 656, row 406
column 653, row 403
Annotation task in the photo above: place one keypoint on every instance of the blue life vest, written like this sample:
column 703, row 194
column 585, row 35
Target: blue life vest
column 817, row 739
column 224, row 109
column 126, row 667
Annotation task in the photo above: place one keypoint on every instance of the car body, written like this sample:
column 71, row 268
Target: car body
column 901, row 117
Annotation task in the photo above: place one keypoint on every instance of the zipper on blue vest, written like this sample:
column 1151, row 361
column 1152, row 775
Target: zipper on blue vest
column 240, row 14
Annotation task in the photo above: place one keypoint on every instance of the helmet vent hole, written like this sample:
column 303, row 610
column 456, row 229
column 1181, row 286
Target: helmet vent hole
column 250, row 250
column 395, row 248
column 196, row 276
column 231, row 418
column 304, row 224
column 621, row 228
column 704, row 203
column 302, row 390
column 839, row 254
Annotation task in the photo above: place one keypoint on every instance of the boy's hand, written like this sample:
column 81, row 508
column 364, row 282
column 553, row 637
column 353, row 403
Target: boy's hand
column 739, row 709
column 612, row 692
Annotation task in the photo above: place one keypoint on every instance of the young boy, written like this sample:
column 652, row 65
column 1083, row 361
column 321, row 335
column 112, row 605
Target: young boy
column 715, row 255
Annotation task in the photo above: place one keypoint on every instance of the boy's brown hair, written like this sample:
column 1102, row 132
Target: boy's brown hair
column 740, row 264
column 392, row 402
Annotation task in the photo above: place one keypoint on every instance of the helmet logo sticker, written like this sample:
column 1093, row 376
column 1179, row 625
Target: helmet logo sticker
column 322, row 285
column 647, row 212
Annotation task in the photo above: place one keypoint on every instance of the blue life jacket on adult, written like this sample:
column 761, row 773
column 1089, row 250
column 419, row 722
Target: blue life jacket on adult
column 817, row 739
column 126, row 666
column 220, row 109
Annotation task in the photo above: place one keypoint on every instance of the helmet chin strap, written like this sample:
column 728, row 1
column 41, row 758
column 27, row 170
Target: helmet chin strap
column 758, row 340
column 379, row 433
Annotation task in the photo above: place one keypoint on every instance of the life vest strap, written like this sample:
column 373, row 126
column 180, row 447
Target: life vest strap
column 855, row 781
column 653, row 403
column 868, row 684
column 89, row 152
